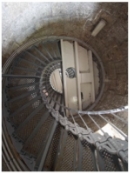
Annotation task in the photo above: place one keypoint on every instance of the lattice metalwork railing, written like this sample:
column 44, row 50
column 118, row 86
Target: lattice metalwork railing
column 27, row 93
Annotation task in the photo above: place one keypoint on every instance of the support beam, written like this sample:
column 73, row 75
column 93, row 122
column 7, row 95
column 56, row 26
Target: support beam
column 80, row 152
column 79, row 91
column 92, row 75
column 61, row 147
column 78, row 75
column 43, row 153
column 70, row 84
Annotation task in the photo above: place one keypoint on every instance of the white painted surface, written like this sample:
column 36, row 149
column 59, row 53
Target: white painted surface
column 73, row 55
column 55, row 80
column 86, row 90
column 78, row 75
column 70, row 84
column 83, row 59
column 111, row 131
column 92, row 75
column 99, row 27
column 96, row 77
column 86, row 76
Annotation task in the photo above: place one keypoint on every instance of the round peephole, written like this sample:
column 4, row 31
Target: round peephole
column 71, row 72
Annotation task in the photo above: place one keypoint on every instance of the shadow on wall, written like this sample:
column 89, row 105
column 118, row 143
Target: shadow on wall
column 21, row 20
column 30, row 21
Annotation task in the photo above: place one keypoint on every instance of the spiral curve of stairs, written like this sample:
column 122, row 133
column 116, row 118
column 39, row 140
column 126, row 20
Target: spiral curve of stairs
column 44, row 134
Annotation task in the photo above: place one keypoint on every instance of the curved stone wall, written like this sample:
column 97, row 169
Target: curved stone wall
column 24, row 21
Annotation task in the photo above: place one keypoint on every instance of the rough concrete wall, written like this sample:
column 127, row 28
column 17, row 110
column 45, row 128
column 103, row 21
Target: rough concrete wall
column 21, row 20
column 24, row 21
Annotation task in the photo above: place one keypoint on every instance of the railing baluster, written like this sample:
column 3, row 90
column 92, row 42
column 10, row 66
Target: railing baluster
column 83, row 122
column 114, row 126
column 119, row 118
column 96, row 124
column 42, row 155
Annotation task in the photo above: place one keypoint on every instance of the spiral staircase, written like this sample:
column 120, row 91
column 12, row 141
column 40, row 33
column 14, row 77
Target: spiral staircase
column 40, row 131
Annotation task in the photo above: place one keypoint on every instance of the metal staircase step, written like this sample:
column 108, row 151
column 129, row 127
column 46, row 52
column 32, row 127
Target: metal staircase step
column 29, row 117
column 55, row 49
column 29, row 127
column 107, row 161
column 26, row 85
column 61, row 145
column 88, row 157
column 34, row 145
column 25, row 106
column 52, row 153
column 35, row 57
column 23, row 95
column 67, row 160
column 45, row 147
column 44, row 52
column 30, row 100
column 37, row 127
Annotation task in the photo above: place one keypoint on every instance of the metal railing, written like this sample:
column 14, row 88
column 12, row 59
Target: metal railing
column 69, row 118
